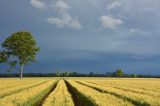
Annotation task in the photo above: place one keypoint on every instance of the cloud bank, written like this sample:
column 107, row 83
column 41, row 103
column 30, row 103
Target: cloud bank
column 125, row 29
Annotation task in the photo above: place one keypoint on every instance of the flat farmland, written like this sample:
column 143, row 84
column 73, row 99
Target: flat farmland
column 83, row 91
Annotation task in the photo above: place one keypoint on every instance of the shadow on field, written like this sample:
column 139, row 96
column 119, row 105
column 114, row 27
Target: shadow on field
column 134, row 102
column 78, row 98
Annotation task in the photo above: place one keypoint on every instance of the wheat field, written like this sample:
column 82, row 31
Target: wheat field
column 80, row 92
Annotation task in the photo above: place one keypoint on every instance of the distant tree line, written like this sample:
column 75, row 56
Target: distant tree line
column 118, row 73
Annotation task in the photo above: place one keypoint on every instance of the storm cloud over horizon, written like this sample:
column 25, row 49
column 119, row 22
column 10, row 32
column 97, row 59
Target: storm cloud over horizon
column 88, row 35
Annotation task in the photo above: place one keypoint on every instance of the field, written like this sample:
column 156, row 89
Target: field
column 79, row 92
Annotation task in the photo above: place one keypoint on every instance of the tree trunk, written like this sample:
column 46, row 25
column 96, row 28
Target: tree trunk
column 21, row 71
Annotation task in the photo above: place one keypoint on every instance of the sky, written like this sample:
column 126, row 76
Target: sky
column 87, row 35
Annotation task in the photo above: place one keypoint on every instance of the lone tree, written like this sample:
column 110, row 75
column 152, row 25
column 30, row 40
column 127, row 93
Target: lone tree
column 119, row 72
column 3, row 57
column 20, row 48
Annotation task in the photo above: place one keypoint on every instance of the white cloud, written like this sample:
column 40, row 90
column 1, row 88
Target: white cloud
column 38, row 4
column 114, row 5
column 132, row 39
column 134, row 30
column 109, row 22
column 60, row 6
column 57, row 21
column 65, row 21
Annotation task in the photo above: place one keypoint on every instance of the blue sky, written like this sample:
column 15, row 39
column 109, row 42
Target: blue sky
column 88, row 35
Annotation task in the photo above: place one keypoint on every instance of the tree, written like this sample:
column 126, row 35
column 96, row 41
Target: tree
column 3, row 57
column 134, row 75
column 73, row 74
column 20, row 48
column 119, row 72
column 91, row 74
column 65, row 74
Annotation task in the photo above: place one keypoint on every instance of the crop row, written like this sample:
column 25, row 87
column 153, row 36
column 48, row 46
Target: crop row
column 128, row 88
column 28, row 97
column 77, row 92
column 137, row 99
column 59, row 97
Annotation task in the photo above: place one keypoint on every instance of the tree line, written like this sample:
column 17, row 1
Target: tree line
column 76, row 74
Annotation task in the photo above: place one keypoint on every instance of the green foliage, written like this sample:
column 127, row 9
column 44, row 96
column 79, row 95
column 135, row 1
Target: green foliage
column 134, row 75
column 21, row 45
column 3, row 57
column 20, row 48
column 58, row 73
column 119, row 72
column 62, row 74
column 66, row 74
column 91, row 74
column 12, row 65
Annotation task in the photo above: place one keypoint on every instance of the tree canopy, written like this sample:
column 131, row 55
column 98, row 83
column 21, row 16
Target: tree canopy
column 20, row 48
column 119, row 72
column 3, row 57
